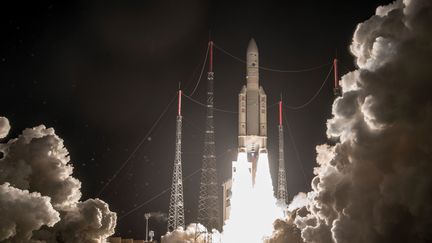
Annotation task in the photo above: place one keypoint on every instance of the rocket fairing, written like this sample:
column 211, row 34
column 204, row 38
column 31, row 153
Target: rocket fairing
column 252, row 107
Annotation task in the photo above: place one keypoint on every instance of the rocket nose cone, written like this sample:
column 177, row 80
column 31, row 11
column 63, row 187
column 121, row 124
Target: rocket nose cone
column 252, row 47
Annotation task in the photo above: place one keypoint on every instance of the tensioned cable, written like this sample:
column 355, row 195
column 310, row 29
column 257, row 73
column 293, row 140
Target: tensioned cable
column 272, row 105
column 148, row 201
column 164, row 191
column 218, row 109
column 273, row 69
column 314, row 96
column 187, row 122
column 156, row 196
column 154, row 125
column 295, row 148
column 201, row 73
column 204, row 105
column 137, row 147
column 192, row 77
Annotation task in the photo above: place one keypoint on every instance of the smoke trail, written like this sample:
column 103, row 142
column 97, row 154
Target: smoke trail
column 39, row 198
column 375, row 184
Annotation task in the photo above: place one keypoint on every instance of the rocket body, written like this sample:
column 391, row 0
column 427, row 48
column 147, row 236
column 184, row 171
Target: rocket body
column 252, row 136
column 252, row 148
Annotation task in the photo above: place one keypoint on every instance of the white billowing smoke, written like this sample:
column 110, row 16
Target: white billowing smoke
column 39, row 198
column 159, row 216
column 194, row 233
column 4, row 127
column 285, row 230
column 22, row 212
column 299, row 201
column 375, row 184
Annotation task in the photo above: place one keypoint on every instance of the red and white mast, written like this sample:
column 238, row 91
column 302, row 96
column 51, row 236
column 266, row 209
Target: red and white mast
column 282, row 194
column 336, row 89
column 176, row 207
column 208, row 202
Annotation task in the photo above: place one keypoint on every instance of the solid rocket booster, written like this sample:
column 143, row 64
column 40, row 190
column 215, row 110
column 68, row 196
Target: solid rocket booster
column 252, row 107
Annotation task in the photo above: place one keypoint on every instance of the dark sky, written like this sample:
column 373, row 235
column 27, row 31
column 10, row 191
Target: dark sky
column 101, row 72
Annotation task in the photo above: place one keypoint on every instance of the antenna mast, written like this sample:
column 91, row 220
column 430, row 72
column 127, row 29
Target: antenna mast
column 336, row 90
column 208, row 203
column 282, row 194
column 176, row 209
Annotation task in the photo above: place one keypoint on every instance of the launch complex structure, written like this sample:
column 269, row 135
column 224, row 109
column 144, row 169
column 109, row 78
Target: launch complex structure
column 252, row 140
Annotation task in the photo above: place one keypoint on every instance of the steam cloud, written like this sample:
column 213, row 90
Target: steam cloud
column 4, row 127
column 375, row 184
column 193, row 233
column 22, row 212
column 159, row 216
column 39, row 198
column 286, row 230
column 299, row 201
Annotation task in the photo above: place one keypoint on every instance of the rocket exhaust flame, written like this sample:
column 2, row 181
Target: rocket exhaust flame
column 247, row 223
column 264, row 197
column 238, row 225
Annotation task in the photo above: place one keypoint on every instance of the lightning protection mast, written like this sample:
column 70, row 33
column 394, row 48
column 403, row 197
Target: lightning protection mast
column 336, row 90
column 176, row 208
column 282, row 194
column 208, row 203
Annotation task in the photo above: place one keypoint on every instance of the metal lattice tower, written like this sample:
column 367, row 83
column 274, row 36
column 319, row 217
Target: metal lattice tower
column 208, row 203
column 282, row 194
column 176, row 208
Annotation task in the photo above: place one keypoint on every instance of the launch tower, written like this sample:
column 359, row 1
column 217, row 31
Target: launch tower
column 208, row 203
column 282, row 194
column 176, row 207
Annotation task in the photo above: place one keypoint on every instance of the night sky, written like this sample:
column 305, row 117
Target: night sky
column 101, row 72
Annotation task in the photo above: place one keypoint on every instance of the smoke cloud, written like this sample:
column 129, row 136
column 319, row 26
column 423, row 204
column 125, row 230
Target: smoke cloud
column 22, row 212
column 193, row 233
column 159, row 216
column 286, row 230
column 4, row 127
column 40, row 200
column 299, row 201
column 375, row 184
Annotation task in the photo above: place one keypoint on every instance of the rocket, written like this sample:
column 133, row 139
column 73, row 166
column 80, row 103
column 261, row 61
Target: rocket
column 252, row 125
column 252, row 137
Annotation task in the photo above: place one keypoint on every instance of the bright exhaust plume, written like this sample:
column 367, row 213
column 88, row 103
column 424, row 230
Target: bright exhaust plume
column 253, row 207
